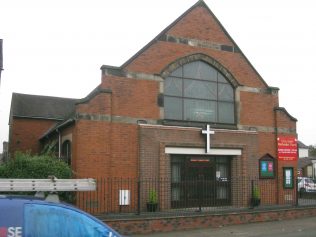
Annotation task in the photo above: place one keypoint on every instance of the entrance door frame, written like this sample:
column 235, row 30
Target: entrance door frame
column 200, row 191
column 182, row 150
column 199, row 179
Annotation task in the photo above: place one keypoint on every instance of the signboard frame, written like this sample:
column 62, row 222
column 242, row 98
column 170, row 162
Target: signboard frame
column 267, row 167
column 288, row 177
column 287, row 148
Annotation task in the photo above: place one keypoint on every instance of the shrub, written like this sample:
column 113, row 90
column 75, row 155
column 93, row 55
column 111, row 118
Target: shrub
column 153, row 197
column 26, row 166
column 256, row 192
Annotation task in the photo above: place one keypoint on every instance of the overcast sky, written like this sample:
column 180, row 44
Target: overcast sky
column 56, row 48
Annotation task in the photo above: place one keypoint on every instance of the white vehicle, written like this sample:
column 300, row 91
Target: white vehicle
column 306, row 184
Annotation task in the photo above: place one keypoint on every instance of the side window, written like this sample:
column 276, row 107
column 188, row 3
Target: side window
column 66, row 152
column 51, row 221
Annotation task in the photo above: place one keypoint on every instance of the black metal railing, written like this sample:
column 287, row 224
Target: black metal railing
column 120, row 195
column 164, row 196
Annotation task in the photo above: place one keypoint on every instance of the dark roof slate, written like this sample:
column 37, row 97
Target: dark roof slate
column 38, row 106
column 301, row 145
column 303, row 162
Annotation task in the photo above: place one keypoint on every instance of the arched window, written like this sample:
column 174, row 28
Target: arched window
column 66, row 152
column 198, row 92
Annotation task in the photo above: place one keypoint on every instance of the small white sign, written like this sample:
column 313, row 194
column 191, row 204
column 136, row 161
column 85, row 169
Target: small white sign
column 218, row 174
column 288, row 177
column 124, row 197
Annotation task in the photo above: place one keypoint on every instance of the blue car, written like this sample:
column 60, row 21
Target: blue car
column 32, row 217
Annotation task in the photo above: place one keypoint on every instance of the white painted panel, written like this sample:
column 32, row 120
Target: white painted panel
column 201, row 151
column 124, row 197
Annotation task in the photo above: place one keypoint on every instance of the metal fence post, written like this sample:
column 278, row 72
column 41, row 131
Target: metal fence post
column 138, row 197
column 251, row 194
column 297, row 193
column 200, row 192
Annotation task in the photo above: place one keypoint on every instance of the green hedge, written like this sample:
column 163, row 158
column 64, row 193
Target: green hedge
column 26, row 166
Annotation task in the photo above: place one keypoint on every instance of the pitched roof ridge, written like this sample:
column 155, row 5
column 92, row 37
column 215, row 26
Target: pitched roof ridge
column 200, row 3
column 301, row 144
column 46, row 96
column 93, row 93
column 38, row 106
column 285, row 112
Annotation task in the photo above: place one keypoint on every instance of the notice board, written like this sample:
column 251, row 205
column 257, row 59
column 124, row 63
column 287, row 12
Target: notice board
column 287, row 148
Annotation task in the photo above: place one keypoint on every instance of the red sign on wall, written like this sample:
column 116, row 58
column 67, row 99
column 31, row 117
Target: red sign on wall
column 287, row 148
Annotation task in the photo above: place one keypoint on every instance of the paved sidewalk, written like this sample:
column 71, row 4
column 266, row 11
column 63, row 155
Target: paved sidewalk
column 304, row 227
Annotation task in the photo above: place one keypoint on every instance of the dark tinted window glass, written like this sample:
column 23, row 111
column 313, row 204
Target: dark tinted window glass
column 198, row 92
column 199, row 110
column 173, row 108
column 226, row 112
column 221, row 78
column 200, row 89
column 199, row 70
column 225, row 92
column 177, row 72
column 173, row 86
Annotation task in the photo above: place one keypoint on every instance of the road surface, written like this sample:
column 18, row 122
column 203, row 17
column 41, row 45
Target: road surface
column 303, row 227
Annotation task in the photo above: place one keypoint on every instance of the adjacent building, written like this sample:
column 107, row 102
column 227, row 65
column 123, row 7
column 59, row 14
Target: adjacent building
column 4, row 154
column 302, row 150
column 306, row 163
column 188, row 106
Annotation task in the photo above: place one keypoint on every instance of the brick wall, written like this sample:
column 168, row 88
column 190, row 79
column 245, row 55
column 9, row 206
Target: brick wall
column 25, row 134
column 108, row 142
column 133, row 98
column 91, row 148
column 165, row 224
column 137, row 98
column 106, row 137
column 198, row 24
column 285, row 123
column 257, row 109
column 155, row 163
column 98, row 104
column 103, row 148
column 155, row 138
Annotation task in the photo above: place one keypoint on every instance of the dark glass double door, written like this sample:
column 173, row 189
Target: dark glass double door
column 199, row 181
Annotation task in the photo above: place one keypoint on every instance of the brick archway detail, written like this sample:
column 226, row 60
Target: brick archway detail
column 200, row 57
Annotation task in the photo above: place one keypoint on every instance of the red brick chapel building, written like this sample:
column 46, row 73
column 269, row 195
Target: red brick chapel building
column 188, row 105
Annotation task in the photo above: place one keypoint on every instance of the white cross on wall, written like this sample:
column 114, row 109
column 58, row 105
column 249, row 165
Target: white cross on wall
column 208, row 133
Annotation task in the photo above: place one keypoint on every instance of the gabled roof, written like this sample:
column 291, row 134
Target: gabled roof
column 301, row 145
column 71, row 116
column 303, row 162
column 57, row 126
column 38, row 106
column 282, row 109
column 200, row 3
